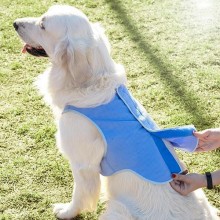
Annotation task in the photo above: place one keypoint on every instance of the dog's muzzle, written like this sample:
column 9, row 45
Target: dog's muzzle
column 35, row 51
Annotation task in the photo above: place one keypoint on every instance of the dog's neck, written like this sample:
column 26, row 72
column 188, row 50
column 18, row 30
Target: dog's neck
column 60, row 89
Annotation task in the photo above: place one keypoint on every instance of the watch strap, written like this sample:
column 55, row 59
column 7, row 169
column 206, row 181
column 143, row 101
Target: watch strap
column 209, row 180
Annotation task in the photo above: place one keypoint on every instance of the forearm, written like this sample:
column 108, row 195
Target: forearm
column 201, row 180
column 216, row 177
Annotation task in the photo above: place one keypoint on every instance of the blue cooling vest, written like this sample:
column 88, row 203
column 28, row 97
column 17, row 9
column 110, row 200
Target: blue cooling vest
column 133, row 141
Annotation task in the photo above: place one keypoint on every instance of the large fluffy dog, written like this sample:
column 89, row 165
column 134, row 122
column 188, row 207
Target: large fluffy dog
column 83, row 74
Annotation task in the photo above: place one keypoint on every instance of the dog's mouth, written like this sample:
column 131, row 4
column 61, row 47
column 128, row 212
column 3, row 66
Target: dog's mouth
column 35, row 51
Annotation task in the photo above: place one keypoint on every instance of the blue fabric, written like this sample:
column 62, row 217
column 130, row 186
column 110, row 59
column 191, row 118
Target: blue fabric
column 133, row 140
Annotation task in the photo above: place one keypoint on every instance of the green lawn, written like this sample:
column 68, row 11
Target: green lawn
column 171, row 53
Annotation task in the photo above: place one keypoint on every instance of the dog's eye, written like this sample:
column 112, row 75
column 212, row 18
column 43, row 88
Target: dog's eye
column 42, row 25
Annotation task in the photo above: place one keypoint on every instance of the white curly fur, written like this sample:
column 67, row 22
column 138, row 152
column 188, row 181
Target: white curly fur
column 83, row 74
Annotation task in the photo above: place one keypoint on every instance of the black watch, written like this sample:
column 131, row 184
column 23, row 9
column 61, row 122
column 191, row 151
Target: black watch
column 209, row 180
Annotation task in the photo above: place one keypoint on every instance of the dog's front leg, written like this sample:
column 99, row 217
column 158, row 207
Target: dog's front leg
column 83, row 146
column 85, row 194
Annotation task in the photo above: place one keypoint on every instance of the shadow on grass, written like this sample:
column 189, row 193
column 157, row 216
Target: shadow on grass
column 177, row 87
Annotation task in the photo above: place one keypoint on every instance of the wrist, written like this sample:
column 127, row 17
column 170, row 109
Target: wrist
column 202, row 180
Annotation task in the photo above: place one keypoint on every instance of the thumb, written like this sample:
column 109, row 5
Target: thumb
column 198, row 134
column 201, row 134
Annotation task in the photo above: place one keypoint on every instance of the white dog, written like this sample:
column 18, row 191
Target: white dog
column 83, row 74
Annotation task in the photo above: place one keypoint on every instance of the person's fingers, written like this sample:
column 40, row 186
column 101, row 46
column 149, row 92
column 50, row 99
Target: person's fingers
column 179, row 177
column 199, row 149
column 206, row 147
column 201, row 146
column 176, row 186
column 184, row 172
column 177, row 182
column 201, row 143
column 202, row 135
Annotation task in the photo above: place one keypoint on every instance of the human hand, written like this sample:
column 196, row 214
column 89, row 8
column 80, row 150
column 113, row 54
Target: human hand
column 184, row 184
column 208, row 139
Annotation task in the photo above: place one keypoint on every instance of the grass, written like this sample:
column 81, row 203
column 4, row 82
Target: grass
column 171, row 53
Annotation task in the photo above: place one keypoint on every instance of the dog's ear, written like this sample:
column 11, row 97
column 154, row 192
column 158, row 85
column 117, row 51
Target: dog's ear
column 72, row 56
column 63, row 53
column 99, row 53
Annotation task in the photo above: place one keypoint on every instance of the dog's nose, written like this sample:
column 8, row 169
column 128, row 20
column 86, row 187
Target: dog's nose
column 15, row 26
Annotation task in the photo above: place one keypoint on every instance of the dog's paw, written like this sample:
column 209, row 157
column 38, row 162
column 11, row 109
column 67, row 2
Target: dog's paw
column 64, row 211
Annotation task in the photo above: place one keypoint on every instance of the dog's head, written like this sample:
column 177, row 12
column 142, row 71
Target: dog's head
column 71, row 41
column 60, row 24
